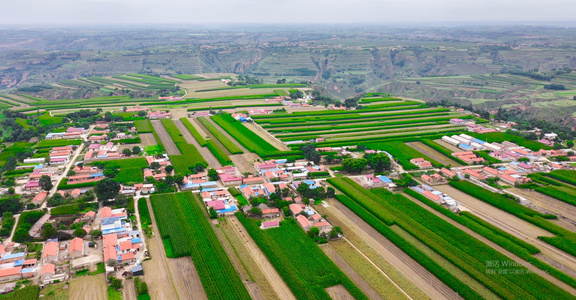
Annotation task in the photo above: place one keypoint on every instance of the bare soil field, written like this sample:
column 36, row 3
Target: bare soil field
column 89, row 288
column 156, row 272
column 147, row 139
column 253, row 255
column 566, row 213
column 349, row 271
column 244, row 162
column 516, row 226
column 448, row 146
column 414, row 279
column 201, row 129
column 129, row 290
column 205, row 152
column 267, row 136
column 339, row 292
column 239, row 264
column 186, row 279
column 167, row 141
column 439, row 157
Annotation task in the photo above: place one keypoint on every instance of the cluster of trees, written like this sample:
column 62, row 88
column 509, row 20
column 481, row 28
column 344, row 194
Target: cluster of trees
column 554, row 86
column 322, row 238
column 295, row 94
column 17, row 132
column 379, row 162
column 246, row 80
column 83, row 114
column 317, row 193
column 310, row 153
column 564, row 132
column 58, row 199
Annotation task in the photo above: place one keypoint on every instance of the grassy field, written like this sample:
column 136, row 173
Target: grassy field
column 183, row 222
column 58, row 143
column 244, row 136
column 143, row 126
column 307, row 275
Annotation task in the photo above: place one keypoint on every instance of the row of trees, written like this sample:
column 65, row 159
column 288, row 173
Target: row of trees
column 379, row 162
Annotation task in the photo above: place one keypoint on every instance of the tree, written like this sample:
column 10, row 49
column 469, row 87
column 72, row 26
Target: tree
column 155, row 165
column 335, row 231
column 106, row 189
column 126, row 152
column 141, row 113
column 354, row 165
column 80, row 232
column 379, row 162
column 115, row 283
column 48, row 231
column 330, row 192
column 108, row 116
column 313, row 232
column 45, row 182
column 212, row 213
column 136, row 150
column 213, row 175
column 570, row 144
column 96, row 233
column 169, row 169
column 255, row 211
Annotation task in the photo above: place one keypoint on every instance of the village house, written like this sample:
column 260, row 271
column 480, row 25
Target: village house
column 76, row 247
column 270, row 224
column 51, row 250
column 303, row 222
column 421, row 163
column 270, row 213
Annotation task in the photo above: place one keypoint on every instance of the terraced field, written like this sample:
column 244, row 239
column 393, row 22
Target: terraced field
column 383, row 118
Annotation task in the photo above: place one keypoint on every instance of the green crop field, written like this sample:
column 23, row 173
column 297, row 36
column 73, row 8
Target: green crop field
column 199, row 138
column 307, row 275
column 403, row 153
column 143, row 126
column 462, row 250
column 184, row 224
column 244, row 136
column 228, row 144
column 190, row 156
column 58, row 143
column 46, row 119
column 218, row 153
column 130, row 169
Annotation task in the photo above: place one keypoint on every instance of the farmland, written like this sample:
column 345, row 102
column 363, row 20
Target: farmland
column 396, row 210
column 130, row 169
column 180, row 218
column 308, row 275
column 220, row 136
column 398, row 118
column 188, row 155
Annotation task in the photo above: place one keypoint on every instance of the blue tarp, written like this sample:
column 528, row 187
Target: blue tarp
column 27, row 270
column 13, row 255
column 18, row 263
column 231, row 209
column 481, row 142
column 136, row 240
column 465, row 146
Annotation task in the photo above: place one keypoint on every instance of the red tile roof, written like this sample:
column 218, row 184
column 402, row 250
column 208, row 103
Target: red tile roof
column 77, row 244
column 10, row 272
column 51, row 249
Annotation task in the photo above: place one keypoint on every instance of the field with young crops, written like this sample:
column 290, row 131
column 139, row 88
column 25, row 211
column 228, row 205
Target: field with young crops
column 244, row 136
column 382, row 119
column 305, row 268
column 220, row 136
column 183, row 223
column 143, row 126
column 189, row 157
column 384, row 210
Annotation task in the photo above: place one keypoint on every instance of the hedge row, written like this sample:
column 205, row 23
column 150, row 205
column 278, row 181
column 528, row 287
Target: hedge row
column 567, row 176
column 319, row 174
column 199, row 138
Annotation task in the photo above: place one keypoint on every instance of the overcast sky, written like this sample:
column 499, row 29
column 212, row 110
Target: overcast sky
column 95, row 12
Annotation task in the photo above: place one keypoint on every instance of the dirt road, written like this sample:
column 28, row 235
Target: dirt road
column 564, row 211
column 272, row 276
column 418, row 275
column 350, row 272
column 129, row 290
column 89, row 288
column 515, row 226
column 147, row 139
column 167, row 141
column 208, row 156
column 428, row 151
column 267, row 136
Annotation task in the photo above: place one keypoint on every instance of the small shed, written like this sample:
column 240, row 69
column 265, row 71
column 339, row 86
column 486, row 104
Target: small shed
column 137, row 270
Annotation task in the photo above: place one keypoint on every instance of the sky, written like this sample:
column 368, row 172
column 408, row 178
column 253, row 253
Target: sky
column 137, row 12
